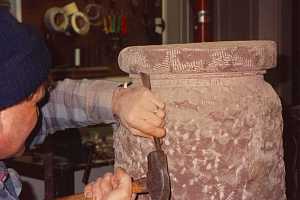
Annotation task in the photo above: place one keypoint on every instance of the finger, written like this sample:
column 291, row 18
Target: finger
column 97, row 190
column 156, row 100
column 153, row 120
column 149, row 123
column 160, row 113
column 149, row 117
column 138, row 133
column 124, row 178
column 106, row 185
column 149, row 106
column 107, row 176
column 123, row 190
column 133, row 197
column 158, row 103
column 118, row 171
column 146, row 128
column 163, row 124
column 159, row 132
column 88, row 190
column 114, row 182
column 139, row 123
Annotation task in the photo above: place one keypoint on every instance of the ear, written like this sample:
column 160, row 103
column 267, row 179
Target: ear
column 1, row 123
column 38, row 94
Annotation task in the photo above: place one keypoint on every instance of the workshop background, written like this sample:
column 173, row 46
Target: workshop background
column 85, row 43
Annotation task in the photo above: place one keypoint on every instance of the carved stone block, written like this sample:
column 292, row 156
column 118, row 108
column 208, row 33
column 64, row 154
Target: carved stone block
column 224, row 122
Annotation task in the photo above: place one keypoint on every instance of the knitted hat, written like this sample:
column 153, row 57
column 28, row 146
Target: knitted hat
column 24, row 60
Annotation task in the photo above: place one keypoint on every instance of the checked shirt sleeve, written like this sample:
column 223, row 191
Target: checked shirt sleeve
column 77, row 103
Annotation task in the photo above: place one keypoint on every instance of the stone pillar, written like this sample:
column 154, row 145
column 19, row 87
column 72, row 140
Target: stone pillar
column 224, row 123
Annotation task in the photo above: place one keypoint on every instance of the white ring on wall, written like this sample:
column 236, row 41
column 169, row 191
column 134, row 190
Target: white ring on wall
column 80, row 29
column 50, row 19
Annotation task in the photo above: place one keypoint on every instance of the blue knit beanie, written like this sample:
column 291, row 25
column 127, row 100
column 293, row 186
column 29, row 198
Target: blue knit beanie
column 24, row 60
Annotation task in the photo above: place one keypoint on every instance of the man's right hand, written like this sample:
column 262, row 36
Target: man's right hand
column 111, row 187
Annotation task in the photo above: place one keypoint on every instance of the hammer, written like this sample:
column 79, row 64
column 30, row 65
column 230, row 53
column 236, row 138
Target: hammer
column 157, row 182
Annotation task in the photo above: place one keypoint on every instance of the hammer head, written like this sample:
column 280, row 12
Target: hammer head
column 158, row 180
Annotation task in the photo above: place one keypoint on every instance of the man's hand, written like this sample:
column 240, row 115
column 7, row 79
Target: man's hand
column 110, row 187
column 139, row 111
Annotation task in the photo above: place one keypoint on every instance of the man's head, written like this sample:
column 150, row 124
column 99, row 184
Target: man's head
column 24, row 66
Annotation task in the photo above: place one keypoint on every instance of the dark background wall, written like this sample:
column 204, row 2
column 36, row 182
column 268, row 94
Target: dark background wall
column 296, row 51
column 97, row 47
column 260, row 20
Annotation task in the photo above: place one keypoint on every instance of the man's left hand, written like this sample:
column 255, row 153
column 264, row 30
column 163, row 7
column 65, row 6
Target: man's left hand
column 140, row 111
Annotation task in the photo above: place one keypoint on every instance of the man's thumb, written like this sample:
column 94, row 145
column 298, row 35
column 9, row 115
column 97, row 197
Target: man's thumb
column 123, row 177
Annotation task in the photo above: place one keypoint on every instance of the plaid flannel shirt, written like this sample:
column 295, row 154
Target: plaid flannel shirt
column 72, row 104
column 77, row 103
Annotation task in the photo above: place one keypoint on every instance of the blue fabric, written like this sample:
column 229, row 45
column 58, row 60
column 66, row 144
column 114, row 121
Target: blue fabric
column 24, row 66
column 9, row 185
column 24, row 60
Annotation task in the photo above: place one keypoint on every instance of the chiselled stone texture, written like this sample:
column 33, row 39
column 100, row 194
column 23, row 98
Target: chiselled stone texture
column 224, row 124
column 199, row 57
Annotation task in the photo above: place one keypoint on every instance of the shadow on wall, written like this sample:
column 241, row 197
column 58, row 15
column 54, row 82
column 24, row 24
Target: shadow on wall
column 27, row 191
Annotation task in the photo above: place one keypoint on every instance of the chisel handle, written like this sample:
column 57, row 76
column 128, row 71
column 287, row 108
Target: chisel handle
column 138, row 186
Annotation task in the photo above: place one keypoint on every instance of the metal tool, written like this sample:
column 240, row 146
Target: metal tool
column 147, row 84
column 158, row 179
column 157, row 182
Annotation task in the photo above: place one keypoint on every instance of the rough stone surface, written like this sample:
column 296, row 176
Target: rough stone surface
column 224, row 126
column 234, row 56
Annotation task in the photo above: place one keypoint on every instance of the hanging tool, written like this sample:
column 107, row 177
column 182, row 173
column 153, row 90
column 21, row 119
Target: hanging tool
column 202, row 28
column 105, row 25
column 124, row 28
column 119, row 20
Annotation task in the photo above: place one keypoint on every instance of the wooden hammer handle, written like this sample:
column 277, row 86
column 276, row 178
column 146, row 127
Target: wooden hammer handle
column 138, row 186
column 75, row 197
